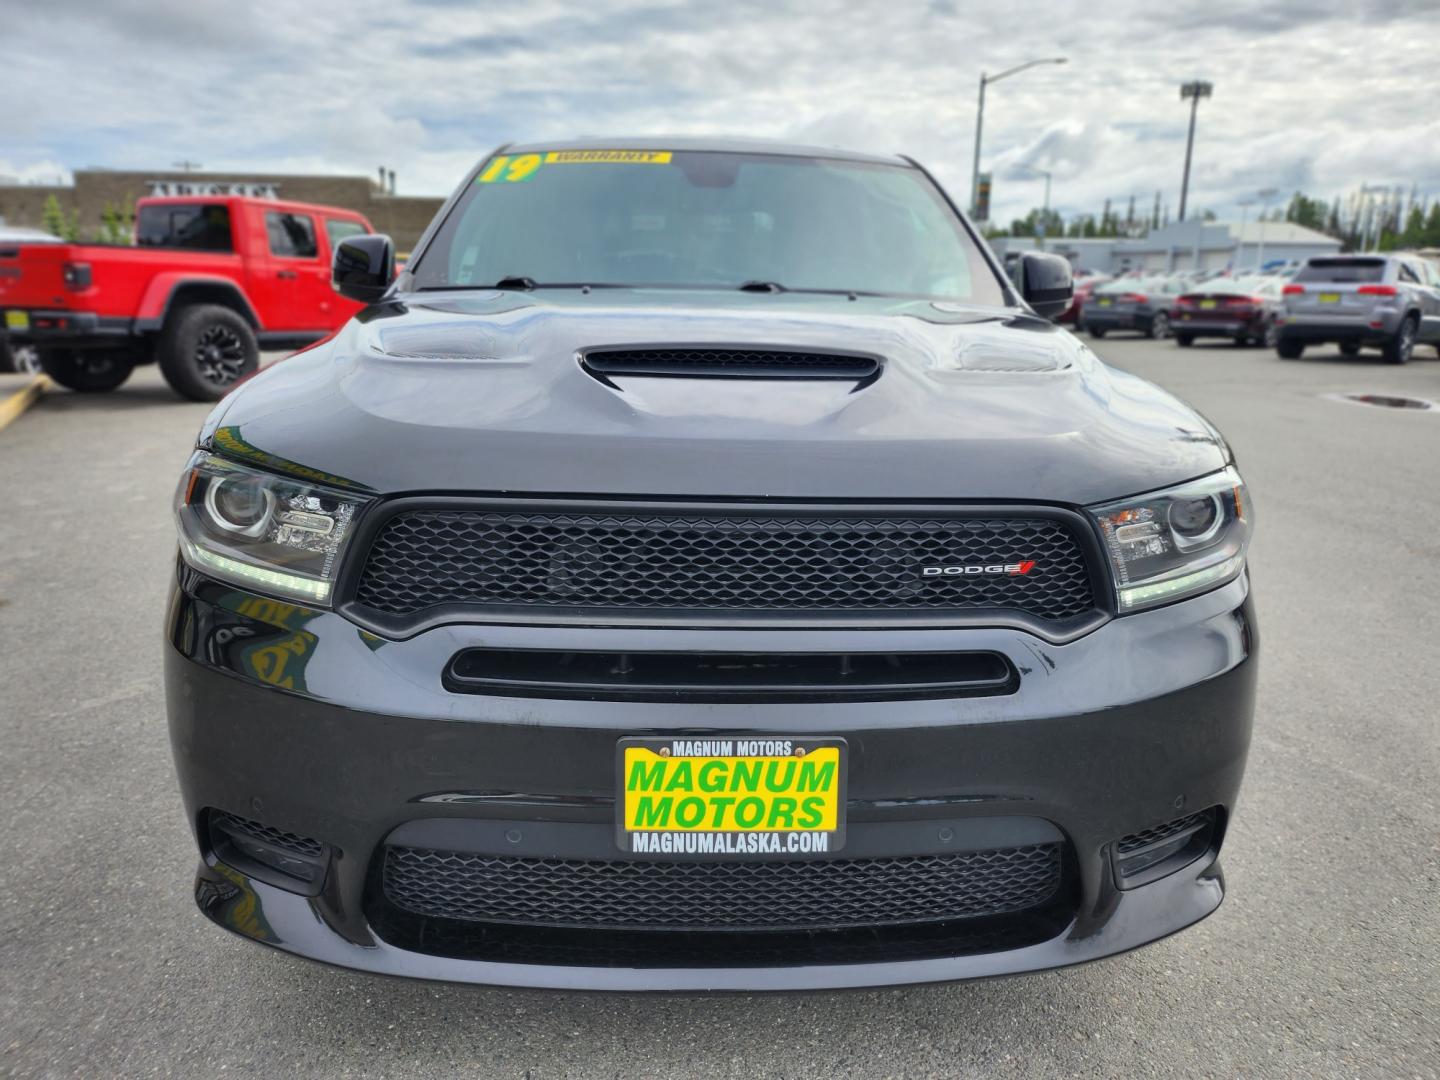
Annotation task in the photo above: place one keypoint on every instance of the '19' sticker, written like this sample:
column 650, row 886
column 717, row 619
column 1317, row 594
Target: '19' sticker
column 512, row 169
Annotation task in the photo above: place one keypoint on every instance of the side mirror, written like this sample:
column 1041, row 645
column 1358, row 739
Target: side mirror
column 364, row 267
column 1046, row 283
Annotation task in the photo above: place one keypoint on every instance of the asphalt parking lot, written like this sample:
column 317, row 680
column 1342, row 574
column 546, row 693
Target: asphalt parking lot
column 1324, row 959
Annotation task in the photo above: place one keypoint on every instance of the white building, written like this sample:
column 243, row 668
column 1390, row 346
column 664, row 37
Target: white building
column 1184, row 245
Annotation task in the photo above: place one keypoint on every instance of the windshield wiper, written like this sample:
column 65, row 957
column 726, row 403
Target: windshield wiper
column 762, row 286
column 515, row 281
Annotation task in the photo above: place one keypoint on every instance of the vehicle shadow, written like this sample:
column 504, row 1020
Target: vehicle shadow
column 948, row 1029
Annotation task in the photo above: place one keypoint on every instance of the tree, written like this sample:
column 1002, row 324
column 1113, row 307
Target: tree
column 1432, row 225
column 1413, row 235
column 54, row 220
column 116, row 222
column 1304, row 211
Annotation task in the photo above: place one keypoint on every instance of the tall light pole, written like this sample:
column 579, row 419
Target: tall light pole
column 1044, row 210
column 985, row 80
column 1193, row 92
column 1244, row 205
column 1266, row 194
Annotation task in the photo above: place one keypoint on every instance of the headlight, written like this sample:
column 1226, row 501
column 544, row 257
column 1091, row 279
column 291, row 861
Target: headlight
column 1179, row 542
column 261, row 530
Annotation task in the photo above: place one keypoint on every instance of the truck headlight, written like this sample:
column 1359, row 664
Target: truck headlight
column 1176, row 543
column 263, row 531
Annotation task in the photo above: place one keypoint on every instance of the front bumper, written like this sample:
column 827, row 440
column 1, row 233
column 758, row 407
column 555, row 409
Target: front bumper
column 300, row 720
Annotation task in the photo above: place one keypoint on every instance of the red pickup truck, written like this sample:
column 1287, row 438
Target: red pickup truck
column 209, row 282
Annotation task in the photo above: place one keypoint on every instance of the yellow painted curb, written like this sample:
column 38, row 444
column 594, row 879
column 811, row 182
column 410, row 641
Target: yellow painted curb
column 22, row 399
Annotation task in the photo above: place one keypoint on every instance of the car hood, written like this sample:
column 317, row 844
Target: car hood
column 483, row 392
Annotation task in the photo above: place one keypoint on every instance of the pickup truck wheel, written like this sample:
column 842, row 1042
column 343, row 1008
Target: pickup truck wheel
column 87, row 371
column 205, row 350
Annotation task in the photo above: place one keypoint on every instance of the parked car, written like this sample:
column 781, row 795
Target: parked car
column 1388, row 302
column 16, row 356
column 209, row 282
column 1084, row 288
column 1242, row 309
column 1141, row 303
column 657, row 587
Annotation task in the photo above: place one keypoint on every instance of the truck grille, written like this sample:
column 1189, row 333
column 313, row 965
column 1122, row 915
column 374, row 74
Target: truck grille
column 748, row 563
column 721, row 895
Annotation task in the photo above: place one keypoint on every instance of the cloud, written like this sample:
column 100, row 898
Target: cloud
column 1316, row 94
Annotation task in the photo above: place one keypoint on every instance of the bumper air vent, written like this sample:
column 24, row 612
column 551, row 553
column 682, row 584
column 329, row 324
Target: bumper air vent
column 724, row 676
column 286, row 860
column 1151, row 854
column 725, row 363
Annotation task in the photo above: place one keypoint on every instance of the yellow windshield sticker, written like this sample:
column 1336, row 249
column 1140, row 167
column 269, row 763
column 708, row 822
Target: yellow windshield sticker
column 608, row 157
column 514, row 168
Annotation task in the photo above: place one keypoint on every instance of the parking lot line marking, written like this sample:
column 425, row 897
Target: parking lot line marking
column 22, row 399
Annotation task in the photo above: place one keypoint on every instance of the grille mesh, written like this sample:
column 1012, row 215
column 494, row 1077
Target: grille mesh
column 739, row 564
column 720, row 895
column 287, row 841
column 1158, row 833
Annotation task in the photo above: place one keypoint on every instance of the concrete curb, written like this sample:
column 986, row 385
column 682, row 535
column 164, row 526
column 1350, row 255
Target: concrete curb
column 22, row 399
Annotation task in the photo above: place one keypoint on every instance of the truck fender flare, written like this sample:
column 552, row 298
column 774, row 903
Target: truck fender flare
column 163, row 294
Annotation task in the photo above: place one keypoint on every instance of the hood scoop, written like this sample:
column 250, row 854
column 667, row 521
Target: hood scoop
column 721, row 362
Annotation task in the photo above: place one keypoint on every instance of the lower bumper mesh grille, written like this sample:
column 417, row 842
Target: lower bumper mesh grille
column 720, row 896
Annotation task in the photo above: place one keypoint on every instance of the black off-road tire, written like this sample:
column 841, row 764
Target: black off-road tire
column 87, row 371
column 205, row 350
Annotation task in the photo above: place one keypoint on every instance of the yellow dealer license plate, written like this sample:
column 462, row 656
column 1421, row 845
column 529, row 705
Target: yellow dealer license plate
column 1329, row 298
column 1208, row 304
column 1103, row 302
column 17, row 320
column 726, row 797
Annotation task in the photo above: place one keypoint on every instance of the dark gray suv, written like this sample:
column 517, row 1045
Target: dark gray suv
column 1389, row 302
column 704, row 568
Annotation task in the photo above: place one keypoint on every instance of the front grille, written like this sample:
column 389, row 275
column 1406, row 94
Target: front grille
column 286, row 841
column 732, row 363
column 732, row 563
column 720, row 895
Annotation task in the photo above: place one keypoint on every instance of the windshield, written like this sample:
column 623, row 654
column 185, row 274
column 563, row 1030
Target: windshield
column 1342, row 271
column 707, row 220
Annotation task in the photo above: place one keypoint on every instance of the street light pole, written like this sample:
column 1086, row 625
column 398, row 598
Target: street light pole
column 1044, row 210
column 980, row 122
column 1244, row 205
column 1266, row 194
column 1194, row 91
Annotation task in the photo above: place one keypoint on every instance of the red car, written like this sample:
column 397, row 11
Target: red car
column 209, row 282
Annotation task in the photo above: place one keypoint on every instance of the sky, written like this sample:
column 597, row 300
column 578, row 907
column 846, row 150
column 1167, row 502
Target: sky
column 1309, row 95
